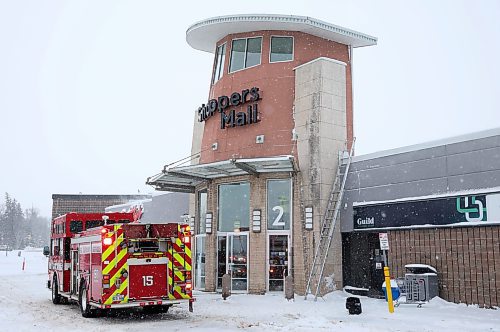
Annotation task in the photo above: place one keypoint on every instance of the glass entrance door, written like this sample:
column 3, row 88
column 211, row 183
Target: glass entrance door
column 232, row 258
column 278, row 262
column 199, row 279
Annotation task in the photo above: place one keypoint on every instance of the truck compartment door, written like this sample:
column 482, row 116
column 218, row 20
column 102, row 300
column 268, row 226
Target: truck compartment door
column 147, row 277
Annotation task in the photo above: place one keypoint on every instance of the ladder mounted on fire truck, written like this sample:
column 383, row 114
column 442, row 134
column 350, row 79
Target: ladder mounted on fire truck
column 328, row 225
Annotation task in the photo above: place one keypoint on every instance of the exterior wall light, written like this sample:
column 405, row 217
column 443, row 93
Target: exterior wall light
column 191, row 223
column 309, row 217
column 208, row 223
column 256, row 220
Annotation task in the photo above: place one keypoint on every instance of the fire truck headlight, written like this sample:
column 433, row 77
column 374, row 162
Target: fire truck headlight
column 107, row 241
column 188, row 286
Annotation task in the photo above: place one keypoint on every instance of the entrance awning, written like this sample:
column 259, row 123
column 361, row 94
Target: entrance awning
column 186, row 178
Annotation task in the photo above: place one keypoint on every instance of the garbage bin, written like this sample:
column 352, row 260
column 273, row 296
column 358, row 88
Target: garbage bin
column 421, row 283
column 394, row 289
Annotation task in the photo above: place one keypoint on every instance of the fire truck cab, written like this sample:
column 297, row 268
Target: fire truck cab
column 106, row 260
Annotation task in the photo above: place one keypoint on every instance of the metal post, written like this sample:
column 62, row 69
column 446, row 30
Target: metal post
column 388, row 289
column 384, row 255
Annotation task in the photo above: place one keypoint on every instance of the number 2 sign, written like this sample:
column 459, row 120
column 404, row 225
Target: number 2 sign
column 278, row 220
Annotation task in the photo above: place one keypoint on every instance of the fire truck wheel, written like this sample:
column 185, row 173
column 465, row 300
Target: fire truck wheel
column 83, row 300
column 56, row 297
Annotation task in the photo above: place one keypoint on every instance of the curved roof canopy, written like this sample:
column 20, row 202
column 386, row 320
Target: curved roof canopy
column 205, row 34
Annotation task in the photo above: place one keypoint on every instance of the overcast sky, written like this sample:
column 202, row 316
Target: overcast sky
column 95, row 96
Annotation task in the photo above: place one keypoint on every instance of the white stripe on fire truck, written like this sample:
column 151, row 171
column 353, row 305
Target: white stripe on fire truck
column 85, row 239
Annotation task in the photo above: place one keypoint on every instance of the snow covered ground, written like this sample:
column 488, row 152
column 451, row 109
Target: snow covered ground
column 25, row 306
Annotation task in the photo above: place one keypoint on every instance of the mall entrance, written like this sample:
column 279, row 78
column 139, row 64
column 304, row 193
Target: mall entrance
column 278, row 261
column 232, row 258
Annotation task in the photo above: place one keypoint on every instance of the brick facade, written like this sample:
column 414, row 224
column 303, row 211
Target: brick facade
column 62, row 204
column 467, row 260
column 299, row 254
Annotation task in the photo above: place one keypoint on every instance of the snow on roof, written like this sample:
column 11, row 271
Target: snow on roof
column 433, row 196
column 420, row 266
column 430, row 144
column 204, row 35
column 126, row 206
column 433, row 226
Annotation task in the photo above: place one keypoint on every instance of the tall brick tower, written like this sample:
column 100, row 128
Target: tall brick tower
column 266, row 146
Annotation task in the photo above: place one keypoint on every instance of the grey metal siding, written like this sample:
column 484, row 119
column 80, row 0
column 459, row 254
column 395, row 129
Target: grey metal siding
column 443, row 169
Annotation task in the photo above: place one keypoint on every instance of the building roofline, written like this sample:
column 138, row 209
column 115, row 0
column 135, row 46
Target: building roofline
column 98, row 196
column 430, row 144
column 203, row 35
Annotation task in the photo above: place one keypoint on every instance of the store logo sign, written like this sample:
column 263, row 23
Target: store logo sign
column 231, row 118
column 365, row 223
column 472, row 208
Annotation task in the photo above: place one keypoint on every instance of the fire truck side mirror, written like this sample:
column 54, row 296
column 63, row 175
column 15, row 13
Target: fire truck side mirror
column 46, row 251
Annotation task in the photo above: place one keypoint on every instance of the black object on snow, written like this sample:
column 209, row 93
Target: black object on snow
column 353, row 304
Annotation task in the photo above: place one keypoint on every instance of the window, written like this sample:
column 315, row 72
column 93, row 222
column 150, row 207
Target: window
column 220, row 56
column 234, row 207
column 202, row 211
column 55, row 246
column 143, row 246
column 245, row 53
column 281, row 49
column 278, row 204
column 60, row 228
column 200, row 262
column 75, row 226
column 93, row 223
column 67, row 246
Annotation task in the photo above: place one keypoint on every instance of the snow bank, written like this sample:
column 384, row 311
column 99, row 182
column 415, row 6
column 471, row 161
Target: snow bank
column 26, row 306
column 12, row 262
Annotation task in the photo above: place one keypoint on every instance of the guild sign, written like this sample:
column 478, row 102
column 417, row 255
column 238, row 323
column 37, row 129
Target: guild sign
column 231, row 118
column 366, row 222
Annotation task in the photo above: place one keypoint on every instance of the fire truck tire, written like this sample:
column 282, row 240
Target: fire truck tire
column 56, row 297
column 83, row 301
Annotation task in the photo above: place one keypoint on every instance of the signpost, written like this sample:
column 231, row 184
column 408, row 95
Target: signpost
column 384, row 245
column 384, row 241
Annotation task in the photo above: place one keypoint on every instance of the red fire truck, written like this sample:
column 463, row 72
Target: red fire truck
column 108, row 260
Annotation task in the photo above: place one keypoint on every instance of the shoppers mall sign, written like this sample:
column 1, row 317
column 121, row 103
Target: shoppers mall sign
column 229, row 117
column 471, row 209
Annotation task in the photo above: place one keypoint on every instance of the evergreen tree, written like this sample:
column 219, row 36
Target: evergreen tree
column 19, row 229
column 8, row 219
column 2, row 224
column 37, row 229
